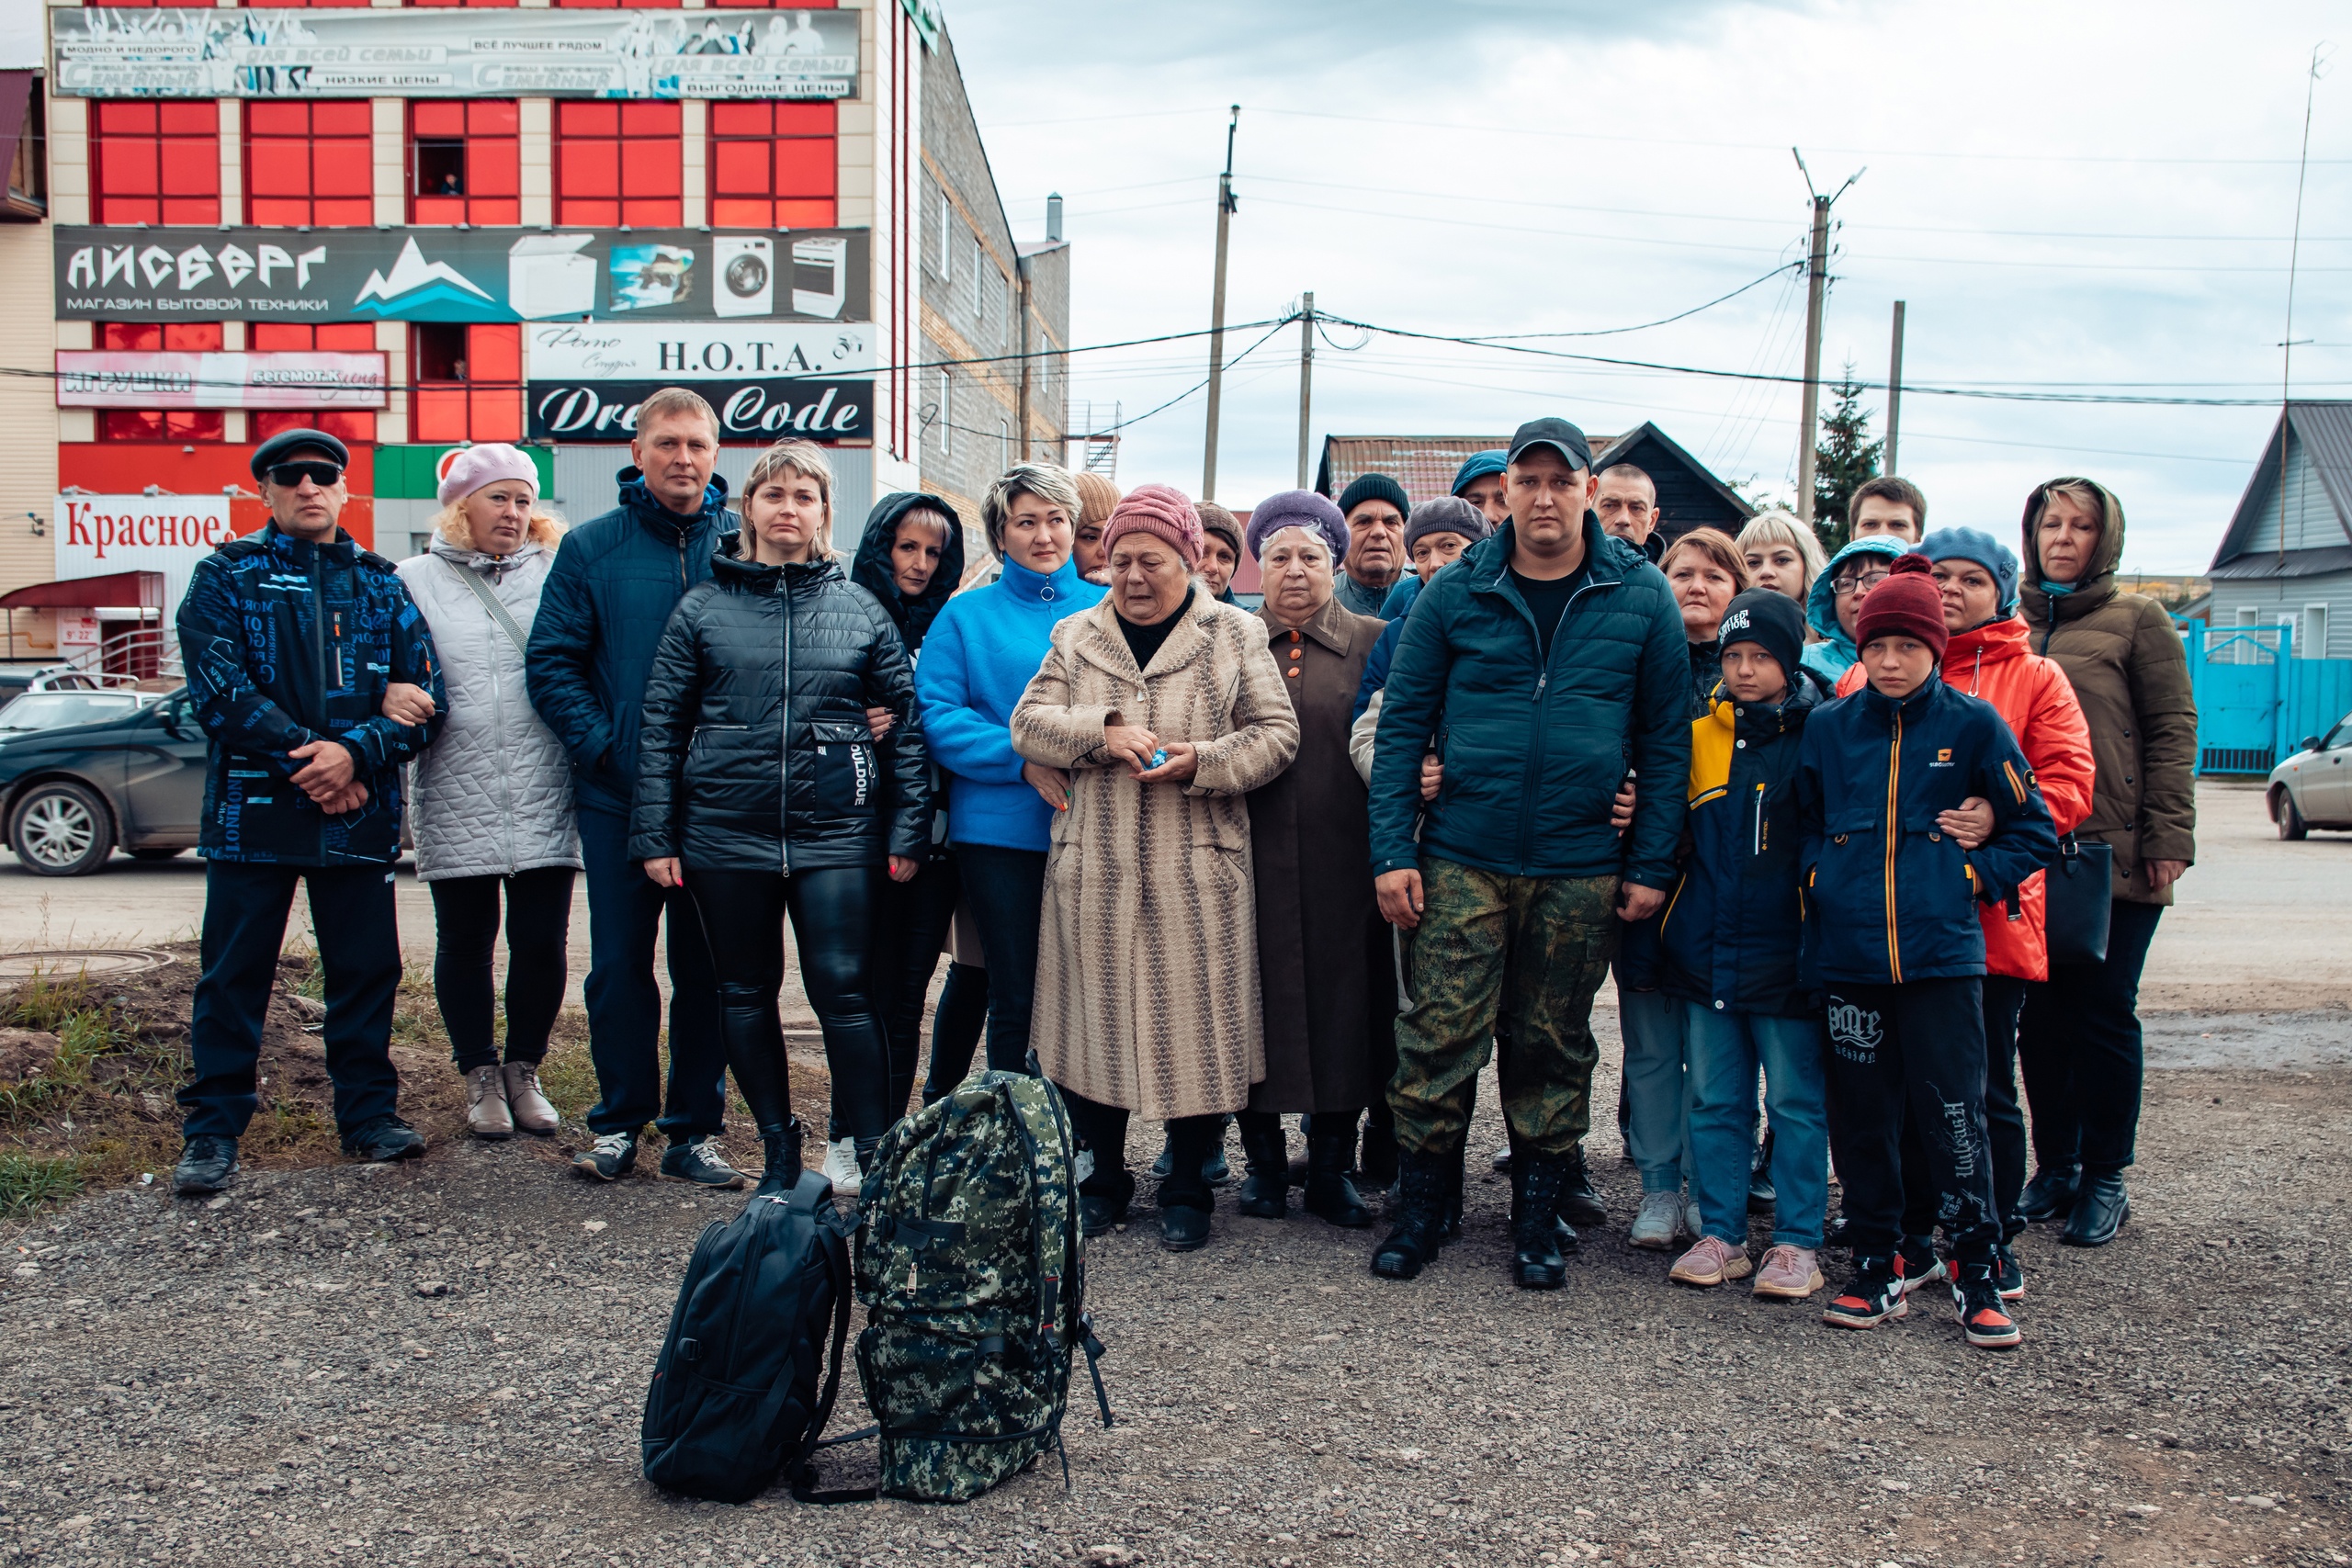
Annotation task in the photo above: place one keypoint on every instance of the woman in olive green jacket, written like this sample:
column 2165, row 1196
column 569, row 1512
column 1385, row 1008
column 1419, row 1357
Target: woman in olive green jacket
column 2079, row 1039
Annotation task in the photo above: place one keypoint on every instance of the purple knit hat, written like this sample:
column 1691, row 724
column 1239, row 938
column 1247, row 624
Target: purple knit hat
column 1298, row 509
column 1162, row 511
column 470, row 468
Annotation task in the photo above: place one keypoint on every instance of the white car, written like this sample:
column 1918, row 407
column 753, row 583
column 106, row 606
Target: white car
column 2313, row 787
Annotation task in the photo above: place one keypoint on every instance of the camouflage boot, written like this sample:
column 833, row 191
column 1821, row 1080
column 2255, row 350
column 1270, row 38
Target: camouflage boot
column 1537, row 1261
column 1418, row 1234
column 1265, row 1192
column 783, row 1147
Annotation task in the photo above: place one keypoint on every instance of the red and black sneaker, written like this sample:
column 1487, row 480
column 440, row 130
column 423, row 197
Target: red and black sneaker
column 1976, row 1295
column 1874, row 1294
column 1921, row 1265
column 2007, row 1274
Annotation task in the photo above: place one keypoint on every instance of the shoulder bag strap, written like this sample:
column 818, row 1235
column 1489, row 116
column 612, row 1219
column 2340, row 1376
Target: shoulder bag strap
column 488, row 597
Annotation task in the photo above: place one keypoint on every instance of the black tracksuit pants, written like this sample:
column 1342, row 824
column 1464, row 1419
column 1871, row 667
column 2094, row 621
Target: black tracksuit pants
column 2004, row 1118
column 246, row 906
column 1915, row 1049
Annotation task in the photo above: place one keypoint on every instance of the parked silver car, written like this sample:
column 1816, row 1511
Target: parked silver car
column 2313, row 787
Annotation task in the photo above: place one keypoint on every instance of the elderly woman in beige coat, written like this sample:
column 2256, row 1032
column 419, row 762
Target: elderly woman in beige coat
column 1167, row 708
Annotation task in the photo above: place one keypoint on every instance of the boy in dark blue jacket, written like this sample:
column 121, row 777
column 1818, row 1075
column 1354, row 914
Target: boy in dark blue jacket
column 1901, row 952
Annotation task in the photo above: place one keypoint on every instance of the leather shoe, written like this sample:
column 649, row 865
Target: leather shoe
column 1184, row 1228
column 206, row 1165
column 2050, row 1194
column 2098, row 1213
column 383, row 1139
column 1265, row 1151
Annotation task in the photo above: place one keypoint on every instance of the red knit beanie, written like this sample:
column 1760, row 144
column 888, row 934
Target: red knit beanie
column 1160, row 509
column 1906, row 604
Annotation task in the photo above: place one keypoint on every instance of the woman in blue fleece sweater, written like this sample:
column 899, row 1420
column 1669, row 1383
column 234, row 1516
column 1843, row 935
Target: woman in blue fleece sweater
column 978, row 660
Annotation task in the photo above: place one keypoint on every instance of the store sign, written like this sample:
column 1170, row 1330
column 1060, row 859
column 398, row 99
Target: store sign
column 100, row 535
column 460, row 274
column 765, row 410
column 120, row 380
column 564, row 351
column 454, row 53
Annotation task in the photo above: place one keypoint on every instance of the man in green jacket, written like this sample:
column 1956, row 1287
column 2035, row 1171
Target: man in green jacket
column 1549, row 662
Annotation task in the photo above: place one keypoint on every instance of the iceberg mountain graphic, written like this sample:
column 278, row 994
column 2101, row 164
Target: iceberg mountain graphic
column 416, row 286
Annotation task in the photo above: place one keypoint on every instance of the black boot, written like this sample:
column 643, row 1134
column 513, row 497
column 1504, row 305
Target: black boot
column 2100, row 1212
column 2050, row 1194
column 1265, row 1192
column 783, row 1147
column 1102, row 1202
column 1377, row 1165
column 1185, row 1201
column 1450, row 1217
column 1537, row 1262
column 1414, row 1241
column 1579, row 1204
column 1331, row 1196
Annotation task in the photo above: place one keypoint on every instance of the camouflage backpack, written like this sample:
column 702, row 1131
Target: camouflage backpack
column 970, row 1265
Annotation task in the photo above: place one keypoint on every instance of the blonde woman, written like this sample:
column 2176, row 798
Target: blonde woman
column 1781, row 553
column 762, row 791
column 492, row 797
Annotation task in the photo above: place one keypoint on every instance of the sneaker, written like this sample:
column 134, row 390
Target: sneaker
column 1713, row 1261
column 1873, row 1295
column 207, row 1164
column 1788, row 1273
column 1658, row 1225
column 1920, row 1264
column 532, row 1110
column 1977, row 1296
column 383, row 1139
column 487, row 1115
column 702, row 1162
column 841, row 1167
column 609, row 1158
column 2009, row 1274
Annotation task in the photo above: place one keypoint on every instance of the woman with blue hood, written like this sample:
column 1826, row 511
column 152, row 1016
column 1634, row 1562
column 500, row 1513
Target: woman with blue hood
column 1836, row 598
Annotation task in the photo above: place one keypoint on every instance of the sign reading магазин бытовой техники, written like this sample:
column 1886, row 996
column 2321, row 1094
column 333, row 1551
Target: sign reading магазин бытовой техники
column 292, row 52
column 461, row 274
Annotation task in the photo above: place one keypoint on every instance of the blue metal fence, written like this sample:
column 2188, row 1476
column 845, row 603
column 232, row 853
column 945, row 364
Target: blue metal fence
column 2256, row 701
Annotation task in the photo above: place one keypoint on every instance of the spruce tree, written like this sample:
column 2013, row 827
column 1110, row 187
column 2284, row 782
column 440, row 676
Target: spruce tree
column 1843, row 457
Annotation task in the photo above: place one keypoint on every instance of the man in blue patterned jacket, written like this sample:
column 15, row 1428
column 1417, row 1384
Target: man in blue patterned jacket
column 293, row 638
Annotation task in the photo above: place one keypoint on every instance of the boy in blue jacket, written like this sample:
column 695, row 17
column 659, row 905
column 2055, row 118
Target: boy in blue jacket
column 1901, row 953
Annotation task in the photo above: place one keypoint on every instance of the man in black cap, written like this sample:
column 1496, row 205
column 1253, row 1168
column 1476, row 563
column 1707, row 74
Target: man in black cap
column 293, row 638
column 1555, row 654
column 1376, row 509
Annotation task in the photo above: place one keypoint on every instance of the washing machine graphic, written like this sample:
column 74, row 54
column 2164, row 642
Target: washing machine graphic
column 745, row 271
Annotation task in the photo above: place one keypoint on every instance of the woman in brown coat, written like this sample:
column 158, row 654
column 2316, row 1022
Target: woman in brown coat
column 1323, row 950
column 2079, row 1039
column 1167, row 708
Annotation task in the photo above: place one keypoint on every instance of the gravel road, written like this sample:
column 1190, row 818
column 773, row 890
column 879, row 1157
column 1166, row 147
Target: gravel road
column 278, row 1377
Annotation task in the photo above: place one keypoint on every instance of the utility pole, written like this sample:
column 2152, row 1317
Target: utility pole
column 2294, row 260
column 1305, row 376
column 1816, row 287
column 1225, row 208
column 1895, row 387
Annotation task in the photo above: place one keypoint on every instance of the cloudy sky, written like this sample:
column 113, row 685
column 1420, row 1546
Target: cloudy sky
column 2092, row 199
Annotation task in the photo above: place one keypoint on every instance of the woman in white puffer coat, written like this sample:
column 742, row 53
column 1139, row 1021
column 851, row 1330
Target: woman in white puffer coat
column 490, row 802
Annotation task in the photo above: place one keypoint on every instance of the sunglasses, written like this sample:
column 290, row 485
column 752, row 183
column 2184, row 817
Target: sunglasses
column 286, row 476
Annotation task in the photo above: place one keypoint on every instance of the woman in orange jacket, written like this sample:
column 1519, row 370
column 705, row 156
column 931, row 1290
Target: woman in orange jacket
column 1989, row 658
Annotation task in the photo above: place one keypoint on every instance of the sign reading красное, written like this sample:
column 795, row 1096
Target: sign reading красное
column 460, row 274
column 448, row 53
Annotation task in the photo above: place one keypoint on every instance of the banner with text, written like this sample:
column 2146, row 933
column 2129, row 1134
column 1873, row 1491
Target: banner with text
column 749, row 409
column 118, row 378
column 637, row 351
column 460, row 274
column 452, row 53
column 100, row 535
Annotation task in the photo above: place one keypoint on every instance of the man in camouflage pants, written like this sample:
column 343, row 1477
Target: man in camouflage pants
column 1539, row 667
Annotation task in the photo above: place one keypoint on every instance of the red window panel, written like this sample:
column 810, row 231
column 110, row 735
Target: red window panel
column 772, row 165
column 149, row 337
column 155, row 161
column 619, row 163
column 462, row 2
column 162, row 424
column 310, row 163
column 350, row 426
column 301, row 337
column 468, row 382
column 771, row 5
column 465, row 161
column 619, row 5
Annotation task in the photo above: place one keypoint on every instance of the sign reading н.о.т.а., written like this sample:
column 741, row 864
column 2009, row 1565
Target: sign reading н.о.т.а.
column 460, row 274
column 444, row 53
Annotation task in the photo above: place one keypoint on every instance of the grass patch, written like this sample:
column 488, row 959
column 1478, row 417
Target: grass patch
column 29, row 1181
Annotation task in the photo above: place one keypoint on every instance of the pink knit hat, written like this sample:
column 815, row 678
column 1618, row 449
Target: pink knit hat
column 1160, row 509
column 469, row 468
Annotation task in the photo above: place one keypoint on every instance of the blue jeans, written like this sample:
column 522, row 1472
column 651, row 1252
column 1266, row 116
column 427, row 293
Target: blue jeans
column 1658, row 1137
column 1726, row 1049
column 626, row 908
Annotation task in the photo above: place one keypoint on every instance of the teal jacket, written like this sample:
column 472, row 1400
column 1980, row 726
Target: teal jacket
column 1835, row 654
column 1534, row 751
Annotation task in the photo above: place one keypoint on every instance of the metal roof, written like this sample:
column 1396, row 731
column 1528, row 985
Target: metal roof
column 2325, row 430
column 1424, row 465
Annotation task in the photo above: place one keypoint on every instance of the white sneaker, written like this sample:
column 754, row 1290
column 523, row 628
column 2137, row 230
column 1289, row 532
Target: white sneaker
column 840, row 1166
column 1658, row 1225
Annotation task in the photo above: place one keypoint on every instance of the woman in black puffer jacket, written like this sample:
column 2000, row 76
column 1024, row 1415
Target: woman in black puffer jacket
column 761, row 789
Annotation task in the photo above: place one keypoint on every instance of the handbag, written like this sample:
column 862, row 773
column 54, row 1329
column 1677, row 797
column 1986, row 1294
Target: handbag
column 2078, row 893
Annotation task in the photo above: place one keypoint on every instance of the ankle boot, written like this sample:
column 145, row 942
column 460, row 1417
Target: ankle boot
column 2100, row 1212
column 1377, row 1165
column 1265, row 1192
column 1537, row 1262
column 783, row 1148
column 1449, row 1216
column 1185, row 1200
column 2050, row 1194
column 1331, row 1195
column 1579, row 1204
column 1418, row 1233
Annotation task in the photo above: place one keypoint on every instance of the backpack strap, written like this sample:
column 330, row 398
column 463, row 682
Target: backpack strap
column 803, row 1470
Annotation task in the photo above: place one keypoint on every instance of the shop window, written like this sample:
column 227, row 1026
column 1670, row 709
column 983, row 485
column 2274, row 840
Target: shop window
column 465, row 161
column 155, row 161
column 772, row 165
column 352, row 427
column 310, row 163
column 160, row 425
column 619, row 163
column 468, row 382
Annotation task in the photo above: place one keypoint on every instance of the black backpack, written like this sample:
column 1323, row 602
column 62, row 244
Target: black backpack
column 746, row 1382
